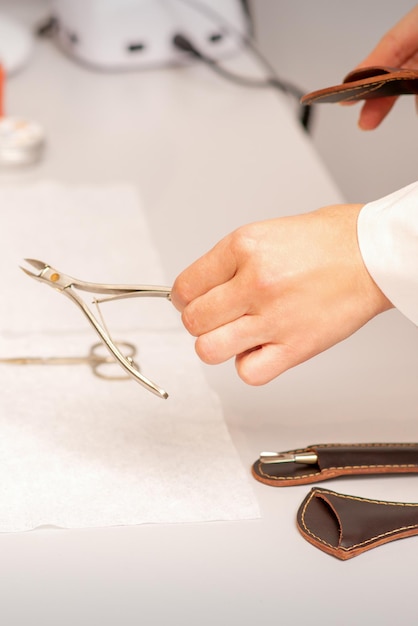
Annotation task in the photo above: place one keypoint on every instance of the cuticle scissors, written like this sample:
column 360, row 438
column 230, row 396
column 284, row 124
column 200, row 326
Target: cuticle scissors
column 67, row 285
column 94, row 358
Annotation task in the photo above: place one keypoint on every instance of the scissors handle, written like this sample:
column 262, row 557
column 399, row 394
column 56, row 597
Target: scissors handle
column 101, row 361
column 48, row 360
column 98, row 359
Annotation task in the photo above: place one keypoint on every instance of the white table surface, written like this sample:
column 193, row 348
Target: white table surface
column 207, row 156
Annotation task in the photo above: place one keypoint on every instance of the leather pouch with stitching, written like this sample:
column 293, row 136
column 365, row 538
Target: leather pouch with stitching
column 346, row 526
column 367, row 83
column 334, row 460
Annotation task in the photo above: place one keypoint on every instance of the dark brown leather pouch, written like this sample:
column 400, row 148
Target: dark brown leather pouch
column 326, row 461
column 367, row 83
column 346, row 526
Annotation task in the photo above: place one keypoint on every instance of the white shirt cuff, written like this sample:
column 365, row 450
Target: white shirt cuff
column 388, row 238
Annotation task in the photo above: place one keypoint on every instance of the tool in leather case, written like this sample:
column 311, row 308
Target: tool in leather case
column 343, row 525
column 367, row 83
column 325, row 461
column 339, row 524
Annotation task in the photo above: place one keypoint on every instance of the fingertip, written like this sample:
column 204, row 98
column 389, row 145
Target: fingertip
column 369, row 120
column 256, row 367
column 179, row 293
column 374, row 112
column 207, row 350
column 365, row 124
column 247, row 370
column 190, row 321
column 174, row 300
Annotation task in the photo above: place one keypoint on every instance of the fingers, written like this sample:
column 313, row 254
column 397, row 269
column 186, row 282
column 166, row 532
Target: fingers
column 256, row 363
column 397, row 48
column 214, row 268
column 221, row 305
column 257, row 359
column 374, row 112
column 242, row 335
column 260, row 366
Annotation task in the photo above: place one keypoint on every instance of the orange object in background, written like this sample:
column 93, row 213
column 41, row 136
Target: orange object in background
column 2, row 81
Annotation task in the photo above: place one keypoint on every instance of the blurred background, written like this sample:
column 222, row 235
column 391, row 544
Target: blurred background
column 314, row 44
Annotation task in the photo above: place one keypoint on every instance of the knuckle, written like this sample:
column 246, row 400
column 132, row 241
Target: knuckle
column 242, row 241
column 180, row 293
column 190, row 321
column 247, row 244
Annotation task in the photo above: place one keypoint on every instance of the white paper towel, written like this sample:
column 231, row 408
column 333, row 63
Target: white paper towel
column 77, row 451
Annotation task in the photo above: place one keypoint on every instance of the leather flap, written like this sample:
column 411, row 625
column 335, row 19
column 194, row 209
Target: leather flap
column 367, row 83
column 345, row 526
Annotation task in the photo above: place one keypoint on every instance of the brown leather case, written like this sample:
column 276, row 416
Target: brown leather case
column 346, row 526
column 367, row 83
column 335, row 460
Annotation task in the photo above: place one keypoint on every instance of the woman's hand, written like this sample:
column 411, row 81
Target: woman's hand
column 397, row 48
column 275, row 293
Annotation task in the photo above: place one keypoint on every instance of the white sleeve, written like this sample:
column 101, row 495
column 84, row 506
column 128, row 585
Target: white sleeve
column 388, row 239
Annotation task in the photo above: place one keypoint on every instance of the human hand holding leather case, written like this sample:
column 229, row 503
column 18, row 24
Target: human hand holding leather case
column 367, row 83
column 346, row 526
column 326, row 461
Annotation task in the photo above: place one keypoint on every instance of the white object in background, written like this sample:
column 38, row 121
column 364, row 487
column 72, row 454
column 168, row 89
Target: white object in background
column 123, row 34
column 21, row 141
column 16, row 44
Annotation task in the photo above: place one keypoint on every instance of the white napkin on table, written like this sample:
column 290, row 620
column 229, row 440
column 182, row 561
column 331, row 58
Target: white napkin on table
column 77, row 451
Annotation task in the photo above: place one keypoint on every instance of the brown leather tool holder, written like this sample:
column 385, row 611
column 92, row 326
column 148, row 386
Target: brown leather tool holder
column 345, row 526
column 338, row 524
column 335, row 460
column 367, row 83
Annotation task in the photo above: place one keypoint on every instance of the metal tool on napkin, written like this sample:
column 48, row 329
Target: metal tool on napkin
column 67, row 285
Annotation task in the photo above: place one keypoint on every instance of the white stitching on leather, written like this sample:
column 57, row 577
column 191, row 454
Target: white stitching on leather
column 367, row 541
